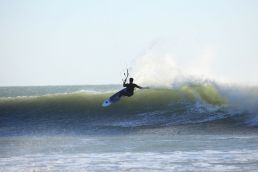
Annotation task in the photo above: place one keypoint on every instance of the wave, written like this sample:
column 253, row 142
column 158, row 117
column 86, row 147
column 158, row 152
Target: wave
column 160, row 107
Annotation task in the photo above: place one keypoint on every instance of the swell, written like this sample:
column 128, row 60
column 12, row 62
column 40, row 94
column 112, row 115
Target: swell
column 90, row 103
column 187, row 104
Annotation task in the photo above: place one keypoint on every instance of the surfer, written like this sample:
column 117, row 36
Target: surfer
column 127, row 91
column 130, row 88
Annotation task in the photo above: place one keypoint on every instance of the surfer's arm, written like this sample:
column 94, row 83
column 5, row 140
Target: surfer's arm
column 137, row 86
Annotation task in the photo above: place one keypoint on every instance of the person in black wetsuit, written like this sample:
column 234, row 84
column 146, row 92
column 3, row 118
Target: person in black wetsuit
column 130, row 88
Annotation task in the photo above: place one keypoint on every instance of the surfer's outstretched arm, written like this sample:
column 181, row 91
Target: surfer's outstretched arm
column 137, row 86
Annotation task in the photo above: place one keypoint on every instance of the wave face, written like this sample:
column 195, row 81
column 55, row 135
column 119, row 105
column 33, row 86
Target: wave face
column 78, row 112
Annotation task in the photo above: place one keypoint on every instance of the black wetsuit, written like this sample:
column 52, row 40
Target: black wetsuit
column 129, row 89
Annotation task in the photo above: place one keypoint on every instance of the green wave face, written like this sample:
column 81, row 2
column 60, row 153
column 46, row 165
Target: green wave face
column 159, row 107
column 141, row 101
column 206, row 92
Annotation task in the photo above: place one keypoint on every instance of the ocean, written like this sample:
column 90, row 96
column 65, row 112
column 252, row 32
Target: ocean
column 201, row 126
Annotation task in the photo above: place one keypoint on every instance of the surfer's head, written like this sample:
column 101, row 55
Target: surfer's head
column 131, row 80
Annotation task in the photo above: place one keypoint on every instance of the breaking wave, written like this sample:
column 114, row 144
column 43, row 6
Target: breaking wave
column 160, row 107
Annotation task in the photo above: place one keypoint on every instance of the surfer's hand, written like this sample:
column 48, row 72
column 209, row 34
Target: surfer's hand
column 146, row 87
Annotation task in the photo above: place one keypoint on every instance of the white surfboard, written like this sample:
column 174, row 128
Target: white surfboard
column 114, row 98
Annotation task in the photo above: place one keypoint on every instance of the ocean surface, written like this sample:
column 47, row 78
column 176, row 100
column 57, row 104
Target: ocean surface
column 189, row 127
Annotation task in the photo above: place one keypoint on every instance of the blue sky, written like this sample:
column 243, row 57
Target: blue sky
column 60, row 42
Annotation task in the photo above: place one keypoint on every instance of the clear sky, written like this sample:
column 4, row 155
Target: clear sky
column 59, row 42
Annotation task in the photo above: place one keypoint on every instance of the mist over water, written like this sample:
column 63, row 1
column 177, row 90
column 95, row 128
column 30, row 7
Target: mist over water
column 163, row 65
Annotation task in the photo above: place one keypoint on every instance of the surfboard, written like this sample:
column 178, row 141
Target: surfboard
column 116, row 97
column 113, row 99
